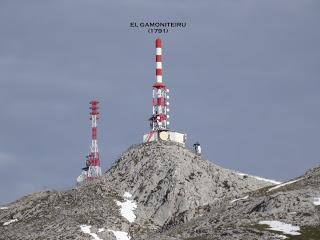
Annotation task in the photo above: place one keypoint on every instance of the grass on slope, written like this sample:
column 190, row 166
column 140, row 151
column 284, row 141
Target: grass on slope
column 307, row 232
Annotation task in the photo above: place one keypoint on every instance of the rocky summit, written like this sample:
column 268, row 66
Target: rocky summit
column 167, row 179
column 162, row 190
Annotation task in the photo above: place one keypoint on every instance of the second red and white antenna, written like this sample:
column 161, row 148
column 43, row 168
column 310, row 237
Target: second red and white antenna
column 92, row 169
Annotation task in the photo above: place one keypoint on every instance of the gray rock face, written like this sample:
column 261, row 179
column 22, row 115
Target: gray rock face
column 59, row 215
column 179, row 196
column 167, row 179
column 228, row 219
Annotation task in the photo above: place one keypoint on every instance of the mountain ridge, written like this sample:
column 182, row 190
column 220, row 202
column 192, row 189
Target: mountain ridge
column 165, row 191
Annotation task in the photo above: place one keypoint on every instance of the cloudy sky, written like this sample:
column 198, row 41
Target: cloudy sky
column 244, row 80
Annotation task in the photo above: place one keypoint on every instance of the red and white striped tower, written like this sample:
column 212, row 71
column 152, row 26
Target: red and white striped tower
column 159, row 119
column 94, row 170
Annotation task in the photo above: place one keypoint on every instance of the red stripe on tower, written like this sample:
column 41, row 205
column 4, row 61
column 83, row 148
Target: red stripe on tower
column 158, row 43
column 94, row 133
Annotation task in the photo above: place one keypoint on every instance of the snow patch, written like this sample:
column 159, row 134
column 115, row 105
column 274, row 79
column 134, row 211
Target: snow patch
column 127, row 208
column 282, row 236
column 86, row 229
column 243, row 198
column 316, row 201
column 284, row 184
column 120, row 235
column 267, row 180
column 259, row 178
column 10, row 221
column 282, row 227
column 3, row 208
column 127, row 195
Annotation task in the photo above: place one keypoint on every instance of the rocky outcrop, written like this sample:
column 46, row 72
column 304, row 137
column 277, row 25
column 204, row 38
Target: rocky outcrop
column 60, row 215
column 296, row 203
column 167, row 179
column 176, row 195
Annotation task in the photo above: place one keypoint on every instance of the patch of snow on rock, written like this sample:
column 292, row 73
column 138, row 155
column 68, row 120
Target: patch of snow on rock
column 120, row 235
column 10, row 221
column 284, row 184
column 267, row 180
column 282, row 227
column 243, row 198
column 101, row 230
column 86, row 229
column 282, row 236
column 316, row 201
column 259, row 178
column 127, row 195
column 3, row 208
column 127, row 207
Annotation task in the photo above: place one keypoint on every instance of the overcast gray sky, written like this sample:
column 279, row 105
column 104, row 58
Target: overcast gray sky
column 244, row 80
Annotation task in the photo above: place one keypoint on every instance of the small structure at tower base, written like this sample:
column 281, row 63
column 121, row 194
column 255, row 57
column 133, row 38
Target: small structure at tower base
column 154, row 136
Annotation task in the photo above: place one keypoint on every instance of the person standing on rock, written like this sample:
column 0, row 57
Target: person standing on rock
column 197, row 148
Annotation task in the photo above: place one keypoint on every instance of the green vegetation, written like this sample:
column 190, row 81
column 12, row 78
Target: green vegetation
column 260, row 227
column 197, row 238
column 307, row 232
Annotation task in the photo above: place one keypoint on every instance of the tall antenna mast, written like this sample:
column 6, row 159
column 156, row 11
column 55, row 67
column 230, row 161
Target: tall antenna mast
column 92, row 169
column 159, row 118
column 94, row 158
column 160, row 108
